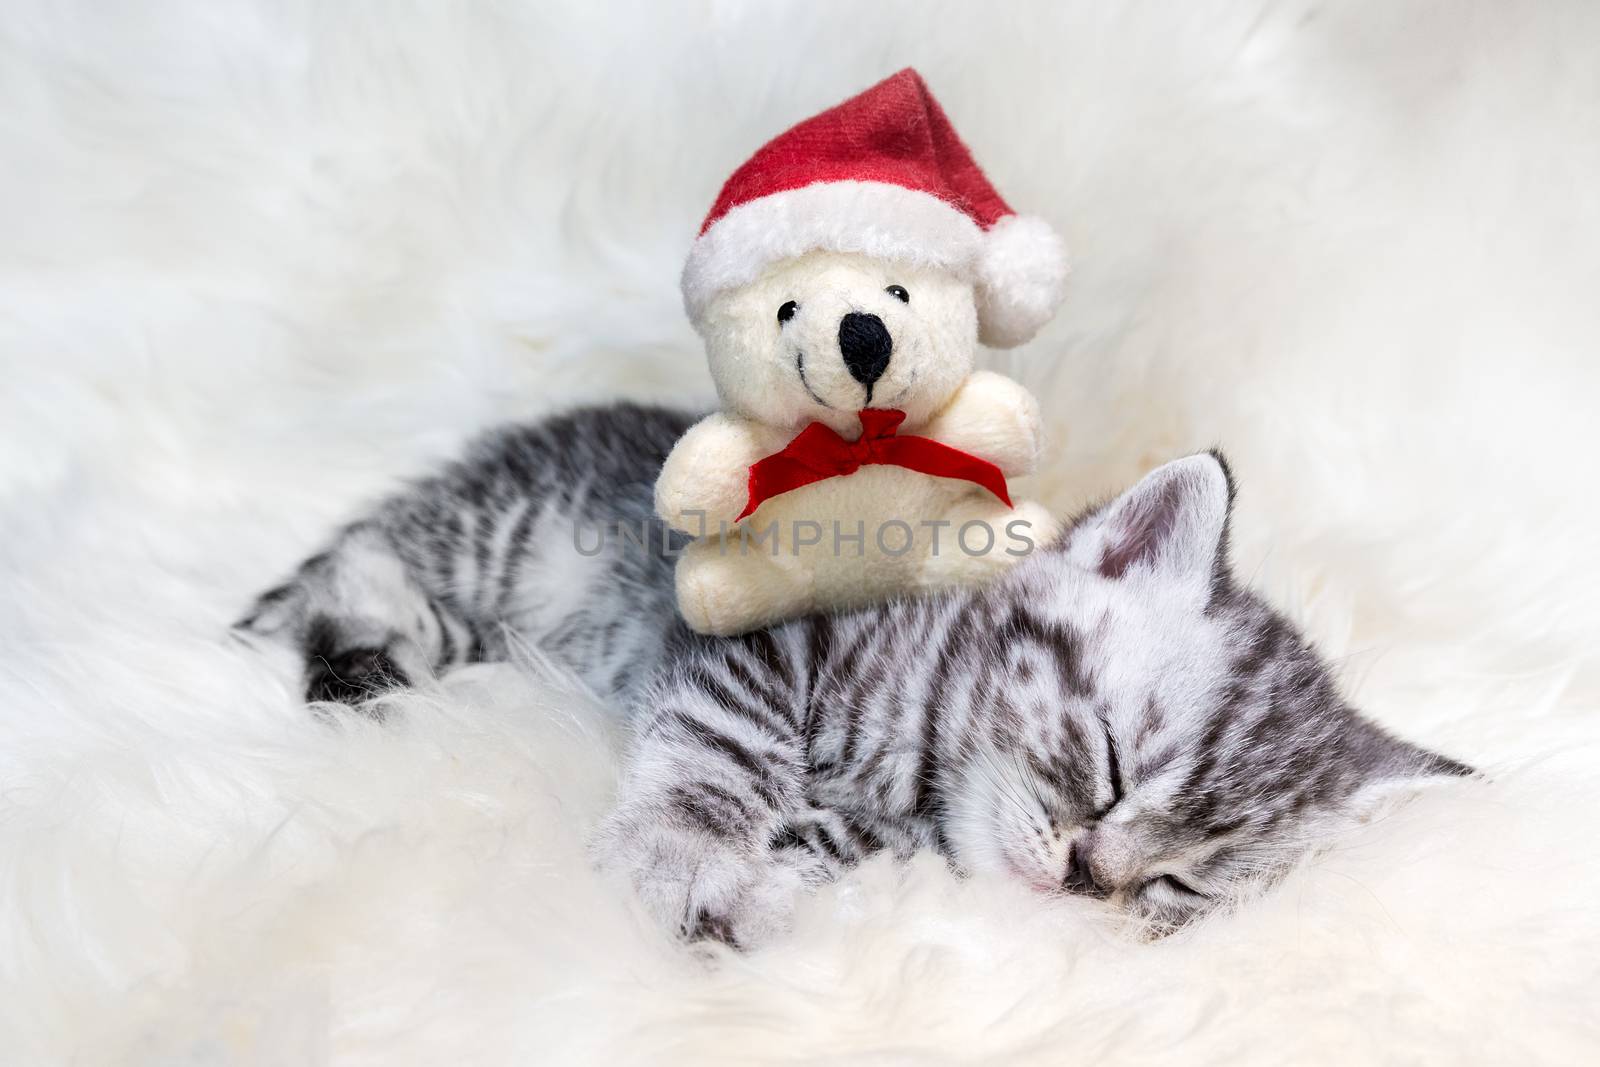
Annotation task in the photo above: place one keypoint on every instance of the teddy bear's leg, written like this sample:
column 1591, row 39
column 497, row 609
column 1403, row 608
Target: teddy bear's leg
column 984, row 537
column 723, row 590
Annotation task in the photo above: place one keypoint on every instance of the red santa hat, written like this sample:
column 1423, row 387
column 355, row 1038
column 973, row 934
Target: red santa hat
column 883, row 174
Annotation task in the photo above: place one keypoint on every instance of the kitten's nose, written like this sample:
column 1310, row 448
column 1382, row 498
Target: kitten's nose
column 1080, row 873
column 865, row 343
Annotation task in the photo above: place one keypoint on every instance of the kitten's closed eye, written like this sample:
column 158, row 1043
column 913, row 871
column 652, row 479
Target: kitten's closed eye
column 1175, row 886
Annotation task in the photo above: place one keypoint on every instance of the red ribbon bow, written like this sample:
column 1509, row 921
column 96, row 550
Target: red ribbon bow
column 818, row 453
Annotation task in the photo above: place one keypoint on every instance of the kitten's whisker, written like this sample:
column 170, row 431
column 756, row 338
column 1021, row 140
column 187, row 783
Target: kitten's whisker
column 1008, row 790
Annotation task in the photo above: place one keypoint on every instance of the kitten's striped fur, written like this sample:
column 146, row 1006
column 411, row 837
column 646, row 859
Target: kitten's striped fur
column 1114, row 716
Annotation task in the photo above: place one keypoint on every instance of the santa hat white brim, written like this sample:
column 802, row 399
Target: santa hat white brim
column 1018, row 264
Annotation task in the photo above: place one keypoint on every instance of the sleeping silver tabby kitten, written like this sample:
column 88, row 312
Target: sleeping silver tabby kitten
column 1113, row 717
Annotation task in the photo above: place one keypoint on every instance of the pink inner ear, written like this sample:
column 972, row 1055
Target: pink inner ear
column 1140, row 527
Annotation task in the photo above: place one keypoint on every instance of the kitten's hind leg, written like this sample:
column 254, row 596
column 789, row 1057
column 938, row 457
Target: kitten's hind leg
column 360, row 621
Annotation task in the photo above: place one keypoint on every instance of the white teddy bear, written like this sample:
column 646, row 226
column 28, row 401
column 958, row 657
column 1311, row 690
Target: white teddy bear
column 842, row 283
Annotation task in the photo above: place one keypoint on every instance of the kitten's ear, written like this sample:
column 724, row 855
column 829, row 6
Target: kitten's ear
column 1173, row 523
column 1393, row 770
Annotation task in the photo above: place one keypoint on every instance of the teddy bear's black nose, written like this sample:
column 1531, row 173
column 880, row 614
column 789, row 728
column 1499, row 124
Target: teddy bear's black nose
column 865, row 343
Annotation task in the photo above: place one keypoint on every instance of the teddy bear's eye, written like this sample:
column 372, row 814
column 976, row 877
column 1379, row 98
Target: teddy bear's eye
column 786, row 312
column 899, row 293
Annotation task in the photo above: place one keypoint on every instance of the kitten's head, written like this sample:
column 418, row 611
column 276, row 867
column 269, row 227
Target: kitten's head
column 1154, row 734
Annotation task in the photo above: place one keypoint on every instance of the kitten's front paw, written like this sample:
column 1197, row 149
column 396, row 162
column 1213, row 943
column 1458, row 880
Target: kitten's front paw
column 700, row 887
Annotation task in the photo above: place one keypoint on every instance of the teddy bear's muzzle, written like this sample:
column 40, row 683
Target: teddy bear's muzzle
column 865, row 344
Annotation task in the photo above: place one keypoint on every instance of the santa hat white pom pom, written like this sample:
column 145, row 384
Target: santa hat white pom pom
column 1022, row 277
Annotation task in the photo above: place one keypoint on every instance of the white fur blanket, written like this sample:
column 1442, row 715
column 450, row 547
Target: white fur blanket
column 259, row 259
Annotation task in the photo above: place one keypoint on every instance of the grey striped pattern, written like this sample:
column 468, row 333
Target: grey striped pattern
column 1115, row 717
column 497, row 547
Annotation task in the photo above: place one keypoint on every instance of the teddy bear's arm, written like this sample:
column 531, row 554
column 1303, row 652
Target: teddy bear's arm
column 993, row 418
column 706, row 478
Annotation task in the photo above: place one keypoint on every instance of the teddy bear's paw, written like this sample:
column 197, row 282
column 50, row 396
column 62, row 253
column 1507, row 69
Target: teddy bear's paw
column 989, row 538
column 1027, row 428
column 697, row 502
column 1016, row 427
column 724, row 589
column 709, row 594
column 1034, row 524
column 705, row 481
column 995, row 418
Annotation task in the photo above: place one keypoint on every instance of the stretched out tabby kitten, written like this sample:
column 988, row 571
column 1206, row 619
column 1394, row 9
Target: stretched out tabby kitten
column 1114, row 716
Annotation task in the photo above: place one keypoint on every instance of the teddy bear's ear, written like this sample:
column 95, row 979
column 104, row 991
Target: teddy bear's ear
column 1022, row 277
column 1172, row 524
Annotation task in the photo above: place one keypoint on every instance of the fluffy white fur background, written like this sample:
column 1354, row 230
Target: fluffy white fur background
column 260, row 259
